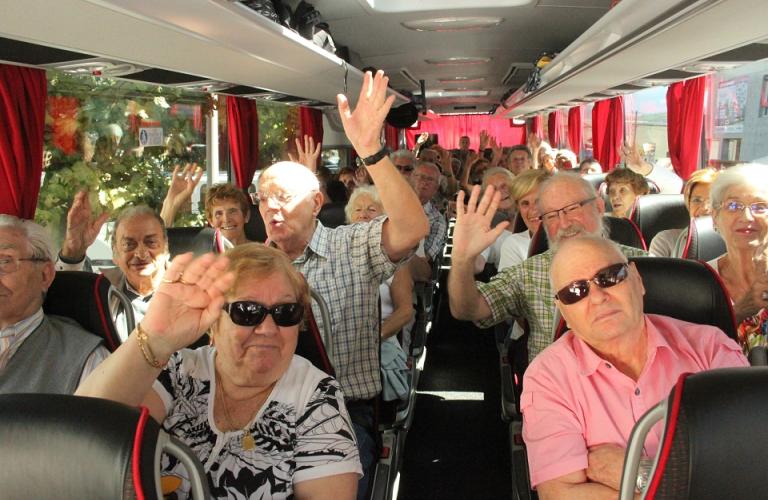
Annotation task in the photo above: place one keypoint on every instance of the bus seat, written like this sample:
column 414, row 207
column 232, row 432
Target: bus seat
column 713, row 424
column 518, row 225
column 198, row 240
column 667, row 280
column 703, row 242
column 61, row 446
column 655, row 213
column 313, row 344
column 620, row 230
column 332, row 214
column 84, row 297
column 254, row 228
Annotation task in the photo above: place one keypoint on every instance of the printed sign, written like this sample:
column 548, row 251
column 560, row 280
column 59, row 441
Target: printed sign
column 151, row 136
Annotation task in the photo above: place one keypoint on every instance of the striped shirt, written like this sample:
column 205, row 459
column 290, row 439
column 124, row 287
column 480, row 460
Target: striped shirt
column 345, row 266
column 524, row 291
column 13, row 336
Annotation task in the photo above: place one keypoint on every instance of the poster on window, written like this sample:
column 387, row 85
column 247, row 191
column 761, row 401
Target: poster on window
column 731, row 103
column 763, row 111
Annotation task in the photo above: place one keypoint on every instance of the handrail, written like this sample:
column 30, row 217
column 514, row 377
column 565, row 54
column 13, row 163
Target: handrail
column 125, row 304
column 198, row 480
column 635, row 450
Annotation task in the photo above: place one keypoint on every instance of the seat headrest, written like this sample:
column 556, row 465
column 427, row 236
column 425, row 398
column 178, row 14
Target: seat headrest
column 703, row 243
column 332, row 214
column 622, row 231
column 83, row 297
column 254, row 228
column 198, row 240
column 61, row 446
column 657, row 212
column 717, row 424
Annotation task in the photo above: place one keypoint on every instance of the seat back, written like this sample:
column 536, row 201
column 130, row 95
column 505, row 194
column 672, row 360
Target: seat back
column 332, row 214
column 657, row 212
column 712, row 437
column 518, row 225
column 254, row 228
column 83, row 297
column 198, row 240
column 703, row 242
column 313, row 344
column 684, row 289
column 622, row 231
column 61, row 446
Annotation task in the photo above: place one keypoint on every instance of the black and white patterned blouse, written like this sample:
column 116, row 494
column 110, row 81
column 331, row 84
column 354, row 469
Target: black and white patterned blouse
column 301, row 432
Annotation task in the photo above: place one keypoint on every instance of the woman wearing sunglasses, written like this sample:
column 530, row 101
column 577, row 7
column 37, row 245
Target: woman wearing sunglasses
column 740, row 213
column 262, row 420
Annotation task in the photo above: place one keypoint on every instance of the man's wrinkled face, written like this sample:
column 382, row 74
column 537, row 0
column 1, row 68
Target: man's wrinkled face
column 500, row 183
column 566, row 211
column 287, row 206
column 519, row 161
column 24, row 281
column 426, row 182
column 140, row 249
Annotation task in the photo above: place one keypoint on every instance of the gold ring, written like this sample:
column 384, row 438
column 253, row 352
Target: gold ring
column 168, row 281
column 180, row 279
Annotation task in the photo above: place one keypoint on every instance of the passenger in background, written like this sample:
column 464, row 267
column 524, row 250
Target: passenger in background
column 583, row 394
column 347, row 177
column 139, row 249
column 425, row 180
column 565, row 159
column 696, row 196
column 740, row 213
column 38, row 352
column 404, row 161
column 396, row 303
column 264, row 421
column 590, row 166
column 520, row 159
column 546, row 158
column 473, row 175
column 623, row 187
column 569, row 207
column 501, row 179
column 227, row 209
column 347, row 264
column 660, row 174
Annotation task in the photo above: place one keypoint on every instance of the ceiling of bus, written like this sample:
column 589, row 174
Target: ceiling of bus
column 381, row 41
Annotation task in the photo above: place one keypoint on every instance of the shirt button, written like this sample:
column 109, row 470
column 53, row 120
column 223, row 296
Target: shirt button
column 637, row 391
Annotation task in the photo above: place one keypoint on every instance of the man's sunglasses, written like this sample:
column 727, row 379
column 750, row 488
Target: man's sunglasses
column 604, row 278
column 249, row 313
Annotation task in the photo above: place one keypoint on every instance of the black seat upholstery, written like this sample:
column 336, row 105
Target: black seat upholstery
column 313, row 344
column 668, row 280
column 712, row 441
column 198, row 240
column 254, row 228
column 83, row 297
column 655, row 213
column 332, row 215
column 703, row 242
column 518, row 225
column 57, row 446
column 622, row 231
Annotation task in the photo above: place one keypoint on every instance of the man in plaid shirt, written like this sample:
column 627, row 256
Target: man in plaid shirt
column 569, row 207
column 347, row 264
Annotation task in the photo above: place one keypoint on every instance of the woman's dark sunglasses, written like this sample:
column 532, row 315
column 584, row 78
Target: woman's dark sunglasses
column 604, row 278
column 249, row 313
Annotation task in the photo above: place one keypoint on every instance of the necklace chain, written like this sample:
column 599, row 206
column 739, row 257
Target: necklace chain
column 247, row 442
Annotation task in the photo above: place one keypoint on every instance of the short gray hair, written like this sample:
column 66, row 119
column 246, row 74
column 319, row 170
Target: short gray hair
column 369, row 191
column 137, row 211
column 570, row 177
column 38, row 238
column 749, row 174
column 429, row 164
column 495, row 171
column 402, row 153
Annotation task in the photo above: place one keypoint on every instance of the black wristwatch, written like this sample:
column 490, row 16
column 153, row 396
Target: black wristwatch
column 376, row 157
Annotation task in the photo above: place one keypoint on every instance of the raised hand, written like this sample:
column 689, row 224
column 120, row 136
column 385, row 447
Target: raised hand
column 82, row 227
column 183, row 183
column 363, row 125
column 473, row 233
column 308, row 154
column 187, row 302
column 483, row 141
column 422, row 138
column 534, row 141
column 498, row 151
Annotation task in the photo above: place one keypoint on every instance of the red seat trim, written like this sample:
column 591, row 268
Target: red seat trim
column 135, row 464
column 105, row 324
column 725, row 291
column 639, row 234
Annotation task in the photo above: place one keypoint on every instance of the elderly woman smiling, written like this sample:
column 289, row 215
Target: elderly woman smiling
column 264, row 422
column 740, row 212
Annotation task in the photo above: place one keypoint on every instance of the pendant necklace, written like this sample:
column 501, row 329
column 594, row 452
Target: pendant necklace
column 247, row 442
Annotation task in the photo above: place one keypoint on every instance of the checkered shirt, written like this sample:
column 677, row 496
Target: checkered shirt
column 438, row 231
column 345, row 266
column 524, row 291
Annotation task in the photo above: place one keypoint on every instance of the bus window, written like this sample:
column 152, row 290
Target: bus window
column 645, row 118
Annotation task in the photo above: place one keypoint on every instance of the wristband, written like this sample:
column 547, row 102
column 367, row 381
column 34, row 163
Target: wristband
column 70, row 261
column 377, row 157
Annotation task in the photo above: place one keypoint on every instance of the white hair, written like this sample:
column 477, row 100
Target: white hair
column 369, row 191
column 747, row 174
column 38, row 238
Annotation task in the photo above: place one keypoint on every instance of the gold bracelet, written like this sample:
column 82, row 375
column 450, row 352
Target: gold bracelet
column 141, row 337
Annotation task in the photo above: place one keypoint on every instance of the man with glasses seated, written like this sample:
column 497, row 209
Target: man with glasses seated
column 583, row 394
column 426, row 182
column 403, row 160
column 38, row 353
column 569, row 207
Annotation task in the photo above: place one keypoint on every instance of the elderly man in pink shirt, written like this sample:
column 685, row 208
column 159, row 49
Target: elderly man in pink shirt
column 583, row 394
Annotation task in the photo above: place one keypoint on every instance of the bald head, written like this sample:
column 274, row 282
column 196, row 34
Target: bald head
column 573, row 251
column 291, row 176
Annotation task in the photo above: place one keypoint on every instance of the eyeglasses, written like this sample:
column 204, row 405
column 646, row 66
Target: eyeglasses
column 604, row 278
column 425, row 178
column 758, row 208
column 573, row 208
column 9, row 265
column 279, row 199
column 249, row 313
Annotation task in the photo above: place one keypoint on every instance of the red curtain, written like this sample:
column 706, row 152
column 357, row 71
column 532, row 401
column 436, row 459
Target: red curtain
column 555, row 128
column 390, row 136
column 575, row 130
column 608, row 131
column 22, row 114
column 450, row 128
column 243, row 128
column 685, row 116
column 311, row 123
column 536, row 127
